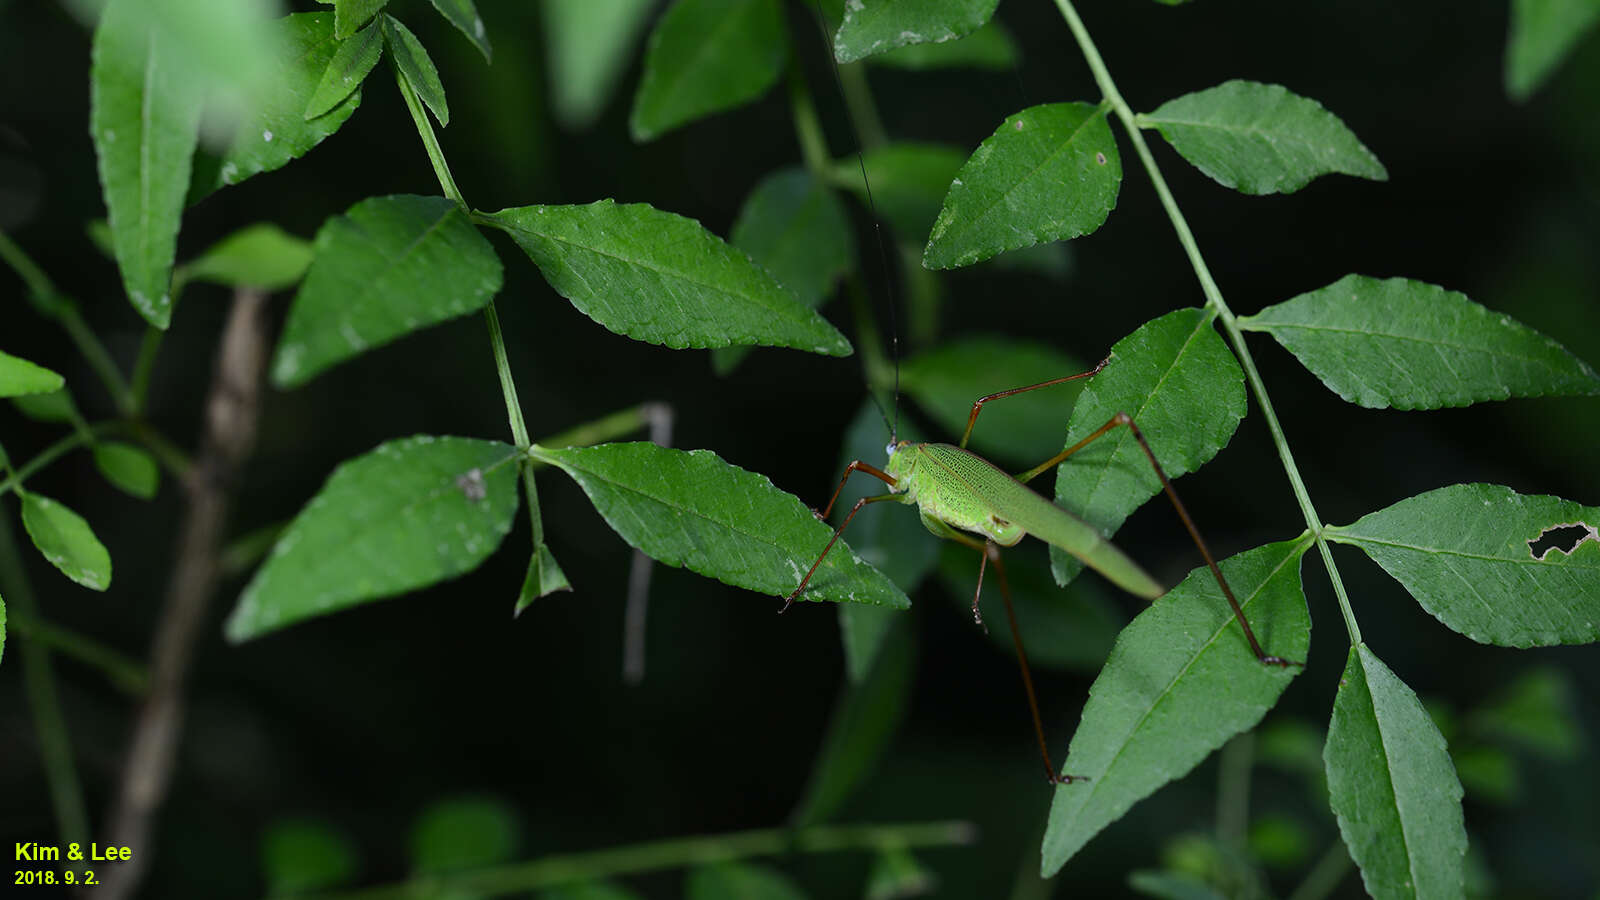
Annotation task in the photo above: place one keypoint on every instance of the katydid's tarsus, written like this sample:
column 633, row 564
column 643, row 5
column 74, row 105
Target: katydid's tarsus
column 960, row 494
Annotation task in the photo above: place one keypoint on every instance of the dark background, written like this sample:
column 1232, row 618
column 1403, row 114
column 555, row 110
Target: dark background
column 366, row 718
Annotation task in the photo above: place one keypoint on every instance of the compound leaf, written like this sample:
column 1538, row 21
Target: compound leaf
column 875, row 26
column 1183, row 389
column 409, row 513
column 704, row 57
column 1260, row 138
column 1466, row 553
column 145, row 119
column 662, row 278
column 19, row 376
column 387, row 267
column 691, row 509
column 1407, row 344
column 1181, row 681
column 1048, row 173
column 66, row 540
column 1391, row 785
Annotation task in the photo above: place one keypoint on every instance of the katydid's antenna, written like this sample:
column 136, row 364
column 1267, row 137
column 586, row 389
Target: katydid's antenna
column 877, row 231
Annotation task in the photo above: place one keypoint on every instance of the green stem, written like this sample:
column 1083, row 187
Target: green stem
column 441, row 169
column 143, row 368
column 602, row 429
column 66, row 794
column 62, row 308
column 669, row 854
column 508, row 386
column 126, row 673
column 1214, row 300
column 859, row 103
column 45, row 457
column 807, row 127
column 1326, row 875
column 1233, row 788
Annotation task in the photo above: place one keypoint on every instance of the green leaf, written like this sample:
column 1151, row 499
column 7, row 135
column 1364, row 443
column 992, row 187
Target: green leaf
column 1402, row 343
column 661, row 278
column 352, row 14
column 410, row 513
column 1171, row 886
column 463, row 834
column 691, row 509
column 1183, row 389
column 888, row 537
column 66, row 540
column 18, row 377
column 1391, row 785
column 896, row 873
column 145, row 120
column 875, row 26
column 387, row 267
column 1180, row 682
column 908, row 182
column 796, row 228
column 1536, row 712
column 300, row 855
column 128, row 467
column 417, row 66
column 1542, row 34
column 543, row 579
column 347, row 70
column 277, row 130
column 864, row 722
column 1048, row 173
column 53, row 408
column 464, row 15
column 1260, row 138
column 739, row 881
column 1024, row 429
column 589, row 45
column 261, row 256
column 1071, row 628
column 704, row 57
column 588, row 890
column 990, row 47
column 1465, row 553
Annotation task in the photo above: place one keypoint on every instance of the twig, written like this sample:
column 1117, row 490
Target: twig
column 231, row 411
column 659, row 415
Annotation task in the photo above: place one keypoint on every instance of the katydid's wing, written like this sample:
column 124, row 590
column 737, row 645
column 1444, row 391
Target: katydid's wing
column 1015, row 502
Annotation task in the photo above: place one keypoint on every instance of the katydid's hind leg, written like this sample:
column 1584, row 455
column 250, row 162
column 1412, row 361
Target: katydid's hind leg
column 992, row 551
column 1123, row 418
column 977, row 405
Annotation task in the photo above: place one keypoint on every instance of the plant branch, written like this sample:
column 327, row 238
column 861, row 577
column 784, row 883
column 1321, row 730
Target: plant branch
column 1214, row 300
column 127, row 674
column 668, row 854
column 143, row 367
column 231, row 413
column 508, row 386
column 603, row 429
column 47, row 456
column 1326, row 875
column 807, row 127
column 55, row 747
column 430, row 141
column 64, row 310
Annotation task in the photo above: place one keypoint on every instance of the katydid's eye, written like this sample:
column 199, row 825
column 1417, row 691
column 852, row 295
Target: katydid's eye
column 889, row 449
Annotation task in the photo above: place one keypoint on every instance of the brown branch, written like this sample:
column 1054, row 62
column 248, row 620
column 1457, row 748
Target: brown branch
column 231, row 411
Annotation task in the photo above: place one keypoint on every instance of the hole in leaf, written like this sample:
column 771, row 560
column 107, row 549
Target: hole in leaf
column 1565, row 538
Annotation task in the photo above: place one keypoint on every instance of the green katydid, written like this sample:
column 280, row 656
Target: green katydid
column 960, row 494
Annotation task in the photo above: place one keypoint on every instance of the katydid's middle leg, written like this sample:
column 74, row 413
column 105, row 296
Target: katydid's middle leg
column 991, row 551
column 1123, row 418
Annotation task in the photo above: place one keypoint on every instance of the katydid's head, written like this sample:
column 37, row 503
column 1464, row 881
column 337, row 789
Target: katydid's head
column 899, row 465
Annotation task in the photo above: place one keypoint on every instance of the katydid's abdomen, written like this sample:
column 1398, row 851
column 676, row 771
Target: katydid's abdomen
column 963, row 490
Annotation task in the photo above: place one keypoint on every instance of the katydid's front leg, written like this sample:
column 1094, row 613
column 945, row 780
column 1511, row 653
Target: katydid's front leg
column 855, row 466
